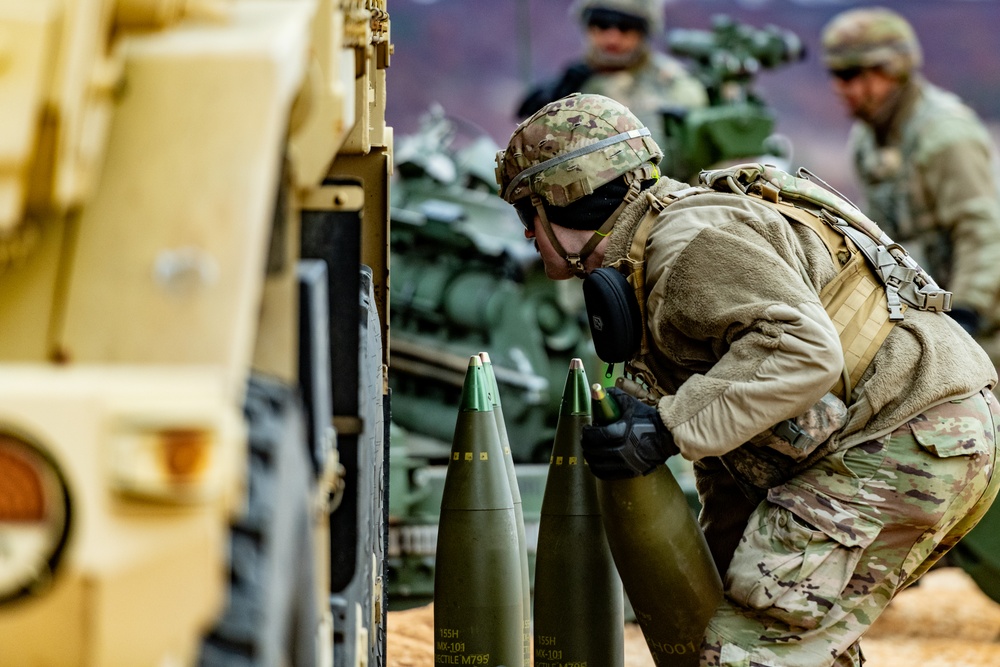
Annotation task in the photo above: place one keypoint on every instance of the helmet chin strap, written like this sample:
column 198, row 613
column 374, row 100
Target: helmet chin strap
column 576, row 260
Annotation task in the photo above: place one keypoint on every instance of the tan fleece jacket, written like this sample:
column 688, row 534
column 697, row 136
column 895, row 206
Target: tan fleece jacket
column 741, row 341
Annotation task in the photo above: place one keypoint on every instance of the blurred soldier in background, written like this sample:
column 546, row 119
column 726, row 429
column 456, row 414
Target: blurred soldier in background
column 926, row 163
column 621, row 63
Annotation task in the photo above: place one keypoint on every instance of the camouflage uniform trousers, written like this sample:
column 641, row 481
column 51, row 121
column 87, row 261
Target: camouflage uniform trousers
column 822, row 557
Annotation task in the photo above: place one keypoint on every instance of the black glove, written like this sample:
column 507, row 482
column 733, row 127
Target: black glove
column 632, row 446
column 967, row 318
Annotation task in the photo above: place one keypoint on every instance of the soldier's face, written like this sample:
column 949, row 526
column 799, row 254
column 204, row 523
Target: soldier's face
column 614, row 40
column 573, row 240
column 863, row 90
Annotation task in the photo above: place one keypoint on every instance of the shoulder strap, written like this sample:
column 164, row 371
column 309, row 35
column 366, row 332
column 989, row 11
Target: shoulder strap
column 876, row 278
column 897, row 270
column 857, row 307
column 633, row 266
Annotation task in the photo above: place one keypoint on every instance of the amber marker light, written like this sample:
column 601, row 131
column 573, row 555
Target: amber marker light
column 168, row 463
column 34, row 516
column 185, row 453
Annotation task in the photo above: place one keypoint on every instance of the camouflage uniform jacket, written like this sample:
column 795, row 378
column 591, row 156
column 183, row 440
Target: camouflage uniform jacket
column 929, row 176
column 739, row 340
column 657, row 82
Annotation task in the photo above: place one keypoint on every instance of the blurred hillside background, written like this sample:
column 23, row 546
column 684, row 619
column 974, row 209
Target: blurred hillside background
column 477, row 57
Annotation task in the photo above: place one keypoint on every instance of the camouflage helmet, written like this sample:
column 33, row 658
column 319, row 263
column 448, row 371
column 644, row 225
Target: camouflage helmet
column 572, row 146
column 649, row 11
column 871, row 37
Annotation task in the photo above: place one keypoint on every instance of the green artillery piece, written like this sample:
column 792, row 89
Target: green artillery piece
column 464, row 281
column 737, row 124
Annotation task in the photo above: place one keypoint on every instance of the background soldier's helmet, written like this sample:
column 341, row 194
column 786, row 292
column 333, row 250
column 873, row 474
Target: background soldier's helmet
column 871, row 37
column 648, row 11
column 572, row 146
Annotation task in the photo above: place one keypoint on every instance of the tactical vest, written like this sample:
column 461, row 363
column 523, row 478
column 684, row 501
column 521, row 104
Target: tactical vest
column 876, row 281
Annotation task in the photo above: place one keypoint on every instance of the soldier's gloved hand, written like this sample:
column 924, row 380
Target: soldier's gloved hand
column 967, row 318
column 631, row 446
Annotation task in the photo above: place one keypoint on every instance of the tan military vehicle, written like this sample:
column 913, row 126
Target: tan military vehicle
column 193, row 300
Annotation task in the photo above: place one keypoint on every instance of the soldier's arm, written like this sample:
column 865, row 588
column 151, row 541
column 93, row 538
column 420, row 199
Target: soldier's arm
column 778, row 350
column 962, row 193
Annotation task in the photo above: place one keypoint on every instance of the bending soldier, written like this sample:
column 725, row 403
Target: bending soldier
column 732, row 339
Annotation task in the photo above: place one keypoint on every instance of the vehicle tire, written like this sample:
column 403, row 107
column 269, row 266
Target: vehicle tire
column 270, row 617
column 360, row 525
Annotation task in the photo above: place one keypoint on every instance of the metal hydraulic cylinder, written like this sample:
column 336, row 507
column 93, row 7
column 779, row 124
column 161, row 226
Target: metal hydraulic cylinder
column 579, row 608
column 478, row 607
column 662, row 557
column 515, row 492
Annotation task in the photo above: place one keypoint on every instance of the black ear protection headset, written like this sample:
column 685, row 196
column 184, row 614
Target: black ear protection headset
column 613, row 314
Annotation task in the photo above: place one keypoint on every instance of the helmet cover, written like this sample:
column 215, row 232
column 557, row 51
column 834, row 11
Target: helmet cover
column 572, row 146
column 871, row 37
column 649, row 11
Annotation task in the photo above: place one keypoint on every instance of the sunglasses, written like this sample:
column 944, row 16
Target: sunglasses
column 847, row 73
column 607, row 19
column 622, row 26
column 526, row 212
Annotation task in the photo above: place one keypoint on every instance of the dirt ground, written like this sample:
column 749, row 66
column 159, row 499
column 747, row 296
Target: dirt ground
column 946, row 621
